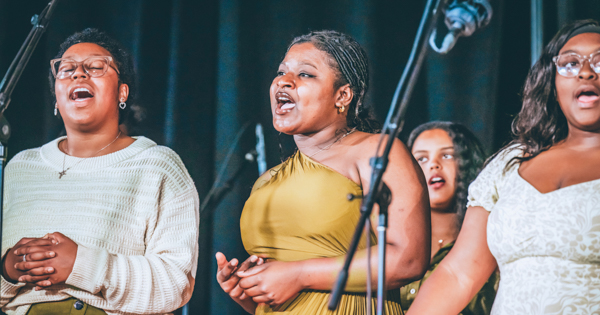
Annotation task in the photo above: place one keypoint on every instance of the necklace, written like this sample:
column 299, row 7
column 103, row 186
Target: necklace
column 334, row 142
column 64, row 171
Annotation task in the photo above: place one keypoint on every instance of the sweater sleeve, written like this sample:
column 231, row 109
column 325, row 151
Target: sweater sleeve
column 8, row 290
column 161, row 280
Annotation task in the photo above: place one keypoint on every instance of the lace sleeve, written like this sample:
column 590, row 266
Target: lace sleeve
column 483, row 191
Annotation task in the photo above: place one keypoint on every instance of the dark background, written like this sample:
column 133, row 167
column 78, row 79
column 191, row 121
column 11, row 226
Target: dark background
column 204, row 70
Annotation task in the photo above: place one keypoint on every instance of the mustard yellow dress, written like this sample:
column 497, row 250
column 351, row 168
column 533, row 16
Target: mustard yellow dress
column 302, row 212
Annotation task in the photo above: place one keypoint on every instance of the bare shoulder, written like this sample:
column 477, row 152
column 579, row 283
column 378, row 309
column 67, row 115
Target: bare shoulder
column 400, row 164
column 364, row 145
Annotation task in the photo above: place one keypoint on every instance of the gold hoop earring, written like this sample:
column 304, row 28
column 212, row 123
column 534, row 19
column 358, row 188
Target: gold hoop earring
column 341, row 109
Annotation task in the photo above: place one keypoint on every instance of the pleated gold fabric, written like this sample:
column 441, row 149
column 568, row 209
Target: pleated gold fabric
column 302, row 212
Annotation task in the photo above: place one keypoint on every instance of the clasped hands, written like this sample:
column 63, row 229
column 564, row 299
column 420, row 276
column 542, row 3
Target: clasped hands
column 258, row 280
column 41, row 261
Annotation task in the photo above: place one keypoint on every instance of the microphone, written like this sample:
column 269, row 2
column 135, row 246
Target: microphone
column 258, row 153
column 5, row 130
column 260, row 150
column 462, row 18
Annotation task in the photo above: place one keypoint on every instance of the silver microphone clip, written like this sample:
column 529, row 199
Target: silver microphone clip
column 463, row 18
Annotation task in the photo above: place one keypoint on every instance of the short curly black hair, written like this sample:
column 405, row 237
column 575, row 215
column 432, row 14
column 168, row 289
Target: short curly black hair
column 121, row 58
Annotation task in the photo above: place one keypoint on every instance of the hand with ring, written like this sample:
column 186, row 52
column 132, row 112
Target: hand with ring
column 40, row 250
column 47, row 264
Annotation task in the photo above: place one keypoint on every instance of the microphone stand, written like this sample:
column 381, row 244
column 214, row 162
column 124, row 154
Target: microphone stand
column 219, row 192
column 216, row 194
column 378, row 192
column 12, row 76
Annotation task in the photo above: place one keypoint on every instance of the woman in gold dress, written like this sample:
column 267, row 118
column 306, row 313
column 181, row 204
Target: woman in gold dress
column 298, row 219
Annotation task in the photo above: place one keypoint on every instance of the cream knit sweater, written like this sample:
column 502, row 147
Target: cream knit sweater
column 133, row 214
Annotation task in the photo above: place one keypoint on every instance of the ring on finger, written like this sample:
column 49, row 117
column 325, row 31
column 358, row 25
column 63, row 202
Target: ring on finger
column 24, row 258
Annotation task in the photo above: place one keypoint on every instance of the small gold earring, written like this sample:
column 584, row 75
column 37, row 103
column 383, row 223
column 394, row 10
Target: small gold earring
column 341, row 109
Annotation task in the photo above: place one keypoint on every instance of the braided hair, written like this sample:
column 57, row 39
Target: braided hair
column 349, row 60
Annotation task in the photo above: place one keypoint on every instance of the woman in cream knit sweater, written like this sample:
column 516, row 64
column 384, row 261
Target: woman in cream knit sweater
column 97, row 221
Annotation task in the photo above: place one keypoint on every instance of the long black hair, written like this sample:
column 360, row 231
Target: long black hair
column 541, row 123
column 349, row 61
column 468, row 154
column 132, row 112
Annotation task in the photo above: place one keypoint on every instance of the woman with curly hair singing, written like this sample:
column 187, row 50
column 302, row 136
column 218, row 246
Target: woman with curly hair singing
column 97, row 222
column 451, row 157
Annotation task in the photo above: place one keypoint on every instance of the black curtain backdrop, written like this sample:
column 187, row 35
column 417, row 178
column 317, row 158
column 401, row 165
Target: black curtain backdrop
column 204, row 70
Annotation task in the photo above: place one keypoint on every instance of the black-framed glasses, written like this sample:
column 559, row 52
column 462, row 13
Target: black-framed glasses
column 95, row 66
column 569, row 64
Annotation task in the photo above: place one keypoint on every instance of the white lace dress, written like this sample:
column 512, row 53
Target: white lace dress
column 547, row 245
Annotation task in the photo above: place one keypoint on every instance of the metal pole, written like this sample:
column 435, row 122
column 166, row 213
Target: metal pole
column 537, row 30
column 8, row 83
column 392, row 127
column 385, row 199
column 2, row 162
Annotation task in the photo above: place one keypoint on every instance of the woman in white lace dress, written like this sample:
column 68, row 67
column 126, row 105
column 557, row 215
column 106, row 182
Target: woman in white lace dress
column 534, row 211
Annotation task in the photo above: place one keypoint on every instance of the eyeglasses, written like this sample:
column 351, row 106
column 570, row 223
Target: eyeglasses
column 569, row 64
column 95, row 66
